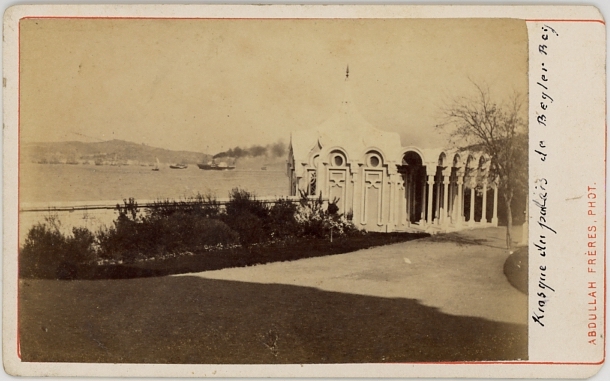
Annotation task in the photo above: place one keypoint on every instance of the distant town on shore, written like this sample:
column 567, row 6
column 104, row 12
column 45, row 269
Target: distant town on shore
column 120, row 152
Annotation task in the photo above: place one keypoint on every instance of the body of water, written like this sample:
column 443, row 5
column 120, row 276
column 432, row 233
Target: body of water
column 61, row 183
column 42, row 185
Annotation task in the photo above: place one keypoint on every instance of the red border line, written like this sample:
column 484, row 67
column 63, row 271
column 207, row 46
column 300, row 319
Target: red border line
column 564, row 20
column 197, row 18
column 18, row 176
column 605, row 214
column 508, row 362
column 259, row 18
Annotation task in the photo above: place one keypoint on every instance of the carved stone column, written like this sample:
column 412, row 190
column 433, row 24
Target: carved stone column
column 430, row 198
column 392, row 204
column 423, row 203
column 472, row 192
column 401, row 201
column 451, row 197
column 355, row 192
column 444, row 209
column 407, row 194
column 460, row 201
column 437, row 201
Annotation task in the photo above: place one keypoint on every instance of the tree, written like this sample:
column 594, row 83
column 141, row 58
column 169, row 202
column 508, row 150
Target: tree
column 499, row 129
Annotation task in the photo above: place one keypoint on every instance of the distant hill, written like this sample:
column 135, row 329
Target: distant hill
column 112, row 152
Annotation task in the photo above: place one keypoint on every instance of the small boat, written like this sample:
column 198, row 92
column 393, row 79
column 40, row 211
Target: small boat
column 263, row 168
column 156, row 168
column 179, row 166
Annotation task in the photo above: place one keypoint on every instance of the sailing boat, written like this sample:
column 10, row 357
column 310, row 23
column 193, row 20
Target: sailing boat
column 156, row 168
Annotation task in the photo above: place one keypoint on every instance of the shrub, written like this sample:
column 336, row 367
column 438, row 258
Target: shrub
column 247, row 216
column 154, row 236
column 314, row 221
column 129, row 211
column 211, row 232
column 189, row 232
column 516, row 269
column 80, row 247
column 201, row 205
column 282, row 219
column 125, row 240
column 333, row 207
column 250, row 229
column 191, row 225
column 242, row 201
column 47, row 253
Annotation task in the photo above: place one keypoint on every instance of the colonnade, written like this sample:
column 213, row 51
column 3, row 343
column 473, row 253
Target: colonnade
column 449, row 191
column 447, row 198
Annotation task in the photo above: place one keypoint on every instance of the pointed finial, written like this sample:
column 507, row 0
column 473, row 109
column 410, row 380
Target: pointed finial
column 347, row 72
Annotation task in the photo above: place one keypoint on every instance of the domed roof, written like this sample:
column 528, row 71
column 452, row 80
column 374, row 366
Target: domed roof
column 348, row 130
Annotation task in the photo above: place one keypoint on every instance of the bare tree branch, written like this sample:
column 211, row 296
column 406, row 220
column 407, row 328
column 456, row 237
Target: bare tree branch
column 497, row 129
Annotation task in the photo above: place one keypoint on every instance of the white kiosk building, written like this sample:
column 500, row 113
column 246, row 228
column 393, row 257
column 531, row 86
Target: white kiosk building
column 387, row 187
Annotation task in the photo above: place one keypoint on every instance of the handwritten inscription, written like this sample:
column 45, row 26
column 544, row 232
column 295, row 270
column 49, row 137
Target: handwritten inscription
column 546, row 100
column 541, row 189
column 542, row 296
column 544, row 290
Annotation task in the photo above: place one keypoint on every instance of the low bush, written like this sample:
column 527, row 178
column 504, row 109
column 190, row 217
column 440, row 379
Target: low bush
column 242, row 201
column 315, row 221
column 47, row 253
column 282, row 219
column 200, row 205
column 126, row 238
column 249, row 227
column 153, row 236
column 516, row 269
column 169, row 228
column 240, row 256
column 195, row 234
column 255, row 221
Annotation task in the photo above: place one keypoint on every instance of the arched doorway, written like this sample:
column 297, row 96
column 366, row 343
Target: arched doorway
column 413, row 173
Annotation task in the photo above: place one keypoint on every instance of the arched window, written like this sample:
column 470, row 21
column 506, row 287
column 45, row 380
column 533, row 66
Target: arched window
column 412, row 158
column 456, row 160
column 337, row 159
column 443, row 160
column 312, row 182
column 374, row 160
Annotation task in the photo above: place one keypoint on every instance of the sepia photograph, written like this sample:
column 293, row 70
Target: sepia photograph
column 273, row 191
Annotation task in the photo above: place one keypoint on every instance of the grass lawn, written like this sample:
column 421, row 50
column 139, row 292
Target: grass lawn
column 449, row 302
column 187, row 319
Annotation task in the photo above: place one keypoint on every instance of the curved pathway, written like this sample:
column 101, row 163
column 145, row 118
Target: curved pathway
column 459, row 273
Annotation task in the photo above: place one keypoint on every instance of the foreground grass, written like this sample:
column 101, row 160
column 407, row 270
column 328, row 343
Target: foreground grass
column 242, row 256
column 364, row 307
column 188, row 319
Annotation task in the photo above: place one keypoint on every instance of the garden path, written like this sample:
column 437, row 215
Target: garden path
column 460, row 274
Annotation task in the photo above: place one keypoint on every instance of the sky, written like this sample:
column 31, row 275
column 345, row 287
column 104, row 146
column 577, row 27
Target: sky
column 209, row 85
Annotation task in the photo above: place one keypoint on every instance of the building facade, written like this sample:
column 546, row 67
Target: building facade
column 383, row 186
